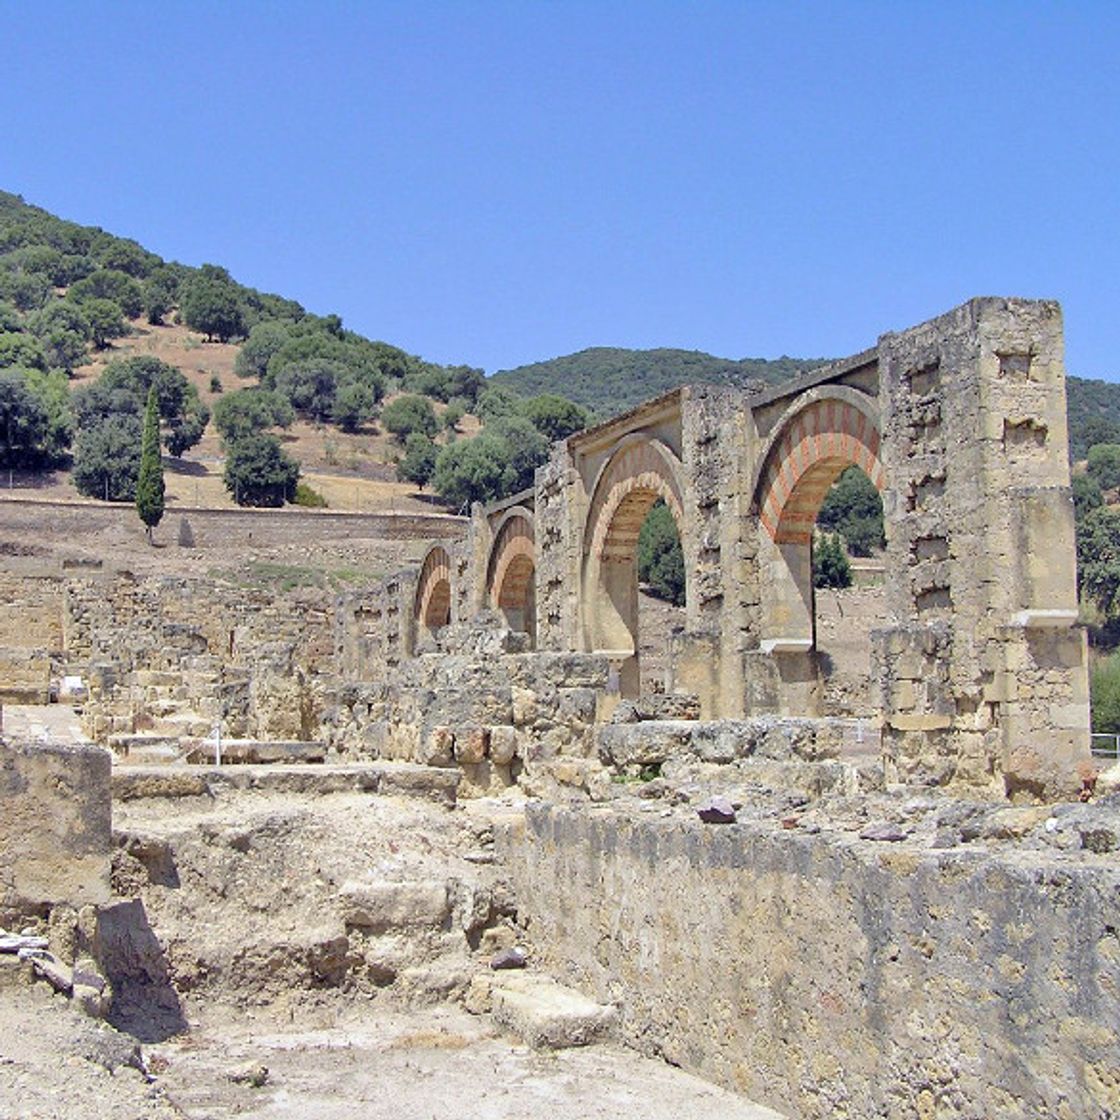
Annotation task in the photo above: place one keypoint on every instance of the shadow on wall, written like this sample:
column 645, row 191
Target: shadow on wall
column 145, row 1005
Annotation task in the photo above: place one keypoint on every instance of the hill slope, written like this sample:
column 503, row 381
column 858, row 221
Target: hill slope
column 608, row 379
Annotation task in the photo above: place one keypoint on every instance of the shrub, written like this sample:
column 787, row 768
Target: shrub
column 660, row 558
column 308, row 497
column 1104, row 695
column 830, row 562
column 1104, row 465
column 260, row 473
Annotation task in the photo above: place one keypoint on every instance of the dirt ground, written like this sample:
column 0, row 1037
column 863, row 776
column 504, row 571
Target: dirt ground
column 435, row 1064
column 245, row 891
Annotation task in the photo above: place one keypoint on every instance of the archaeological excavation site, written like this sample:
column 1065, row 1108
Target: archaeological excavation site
column 480, row 829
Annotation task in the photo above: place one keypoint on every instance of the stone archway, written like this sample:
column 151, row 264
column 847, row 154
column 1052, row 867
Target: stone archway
column 511, row 572
column 432, row 605
column 638, row 471
column 822, row 433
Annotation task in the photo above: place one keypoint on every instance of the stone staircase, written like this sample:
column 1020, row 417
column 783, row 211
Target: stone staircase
column 269, row 883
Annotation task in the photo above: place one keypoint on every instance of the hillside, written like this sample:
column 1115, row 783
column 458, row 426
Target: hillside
column 90, row 321
column 1093, row 408
column 607, row 379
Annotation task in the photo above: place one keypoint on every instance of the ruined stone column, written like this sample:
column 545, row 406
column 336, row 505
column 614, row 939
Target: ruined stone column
column 983, row 674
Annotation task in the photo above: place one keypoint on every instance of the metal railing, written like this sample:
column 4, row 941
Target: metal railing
column 1104, row 746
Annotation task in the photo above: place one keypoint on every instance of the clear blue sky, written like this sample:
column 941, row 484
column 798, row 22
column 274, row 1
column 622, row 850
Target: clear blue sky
column 497, row 183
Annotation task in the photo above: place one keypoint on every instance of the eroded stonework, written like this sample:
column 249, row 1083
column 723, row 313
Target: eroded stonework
column 979, row 666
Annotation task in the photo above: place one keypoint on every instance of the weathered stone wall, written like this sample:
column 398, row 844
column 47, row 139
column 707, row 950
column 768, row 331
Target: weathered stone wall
column 983, row 681
column 32, row 637
column 980, row 670
column 153, row 649
column 831, row 976
column 477, row 699
column 55, row 827
column 219, row 530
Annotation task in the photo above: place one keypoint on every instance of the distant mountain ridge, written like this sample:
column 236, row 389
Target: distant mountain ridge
column 610, row 379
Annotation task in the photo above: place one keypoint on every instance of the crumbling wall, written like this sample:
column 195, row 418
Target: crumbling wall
column 157, row 649
column 831, row 976
column 31, row 636
column 55, row 827
column 476, row 698
column 983, row 679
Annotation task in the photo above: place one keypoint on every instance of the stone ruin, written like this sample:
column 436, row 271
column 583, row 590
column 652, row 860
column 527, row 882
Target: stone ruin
column 922, row 922
column 979, row 664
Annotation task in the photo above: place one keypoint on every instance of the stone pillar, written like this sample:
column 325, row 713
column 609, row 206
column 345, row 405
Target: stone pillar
column 983, row 675
column 55, row 826
column 558, row 516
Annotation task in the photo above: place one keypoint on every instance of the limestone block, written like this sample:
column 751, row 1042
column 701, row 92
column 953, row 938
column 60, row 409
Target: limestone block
column 395, row 905
column 642, row 744
column 524, row 706
column 471, row 745
column 547, row 1015
column 55, row 826
column 503, row 745
column 437, row 747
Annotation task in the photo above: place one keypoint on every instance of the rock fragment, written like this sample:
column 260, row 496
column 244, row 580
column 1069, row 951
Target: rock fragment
column 717, row 810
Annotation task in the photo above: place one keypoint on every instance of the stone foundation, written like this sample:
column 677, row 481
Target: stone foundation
column 55, row 827
column 830, row 976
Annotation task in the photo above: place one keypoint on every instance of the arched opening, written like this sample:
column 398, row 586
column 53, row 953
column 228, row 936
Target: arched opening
column 636, row 475
column 814, row 444
column 433, row 591
column 511, row 576
column 848, row 593
column 661, row 591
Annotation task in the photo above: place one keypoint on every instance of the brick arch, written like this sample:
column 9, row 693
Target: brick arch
column 512, row 568
column 813, row 443
column 638, row 472
column 433, row 590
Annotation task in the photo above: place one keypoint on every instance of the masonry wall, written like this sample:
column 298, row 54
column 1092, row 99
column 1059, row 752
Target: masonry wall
column 983, row 677
column 153, row 649
column 219, row 530
column 31, row 625
column 828, row 976
column 55, row 827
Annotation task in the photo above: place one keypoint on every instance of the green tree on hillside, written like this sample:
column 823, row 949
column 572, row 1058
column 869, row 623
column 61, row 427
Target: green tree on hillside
column 111, row 284
column 63, row 331
column 248, row 411
column 660, row 558
column 210, row 303
column 149, row 481
column 311, row 386
column 853, row 508
column 160, row 290
column 20, row 349
column 419, row 462
column 474, row 470
column 107, row 458
column 554, row 417
column 409, row 414
column 1104, row 465
column 830, row 563
column 106, row 321
column 265, row 340
column 1098, row 558
column 23, row 421
column 354, row 404
column 1087, row 496
column 259, row 472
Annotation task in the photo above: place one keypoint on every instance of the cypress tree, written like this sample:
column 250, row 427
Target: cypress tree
column 149, row 484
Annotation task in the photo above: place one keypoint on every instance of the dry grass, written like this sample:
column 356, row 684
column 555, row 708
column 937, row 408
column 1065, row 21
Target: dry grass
column 351, row 471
